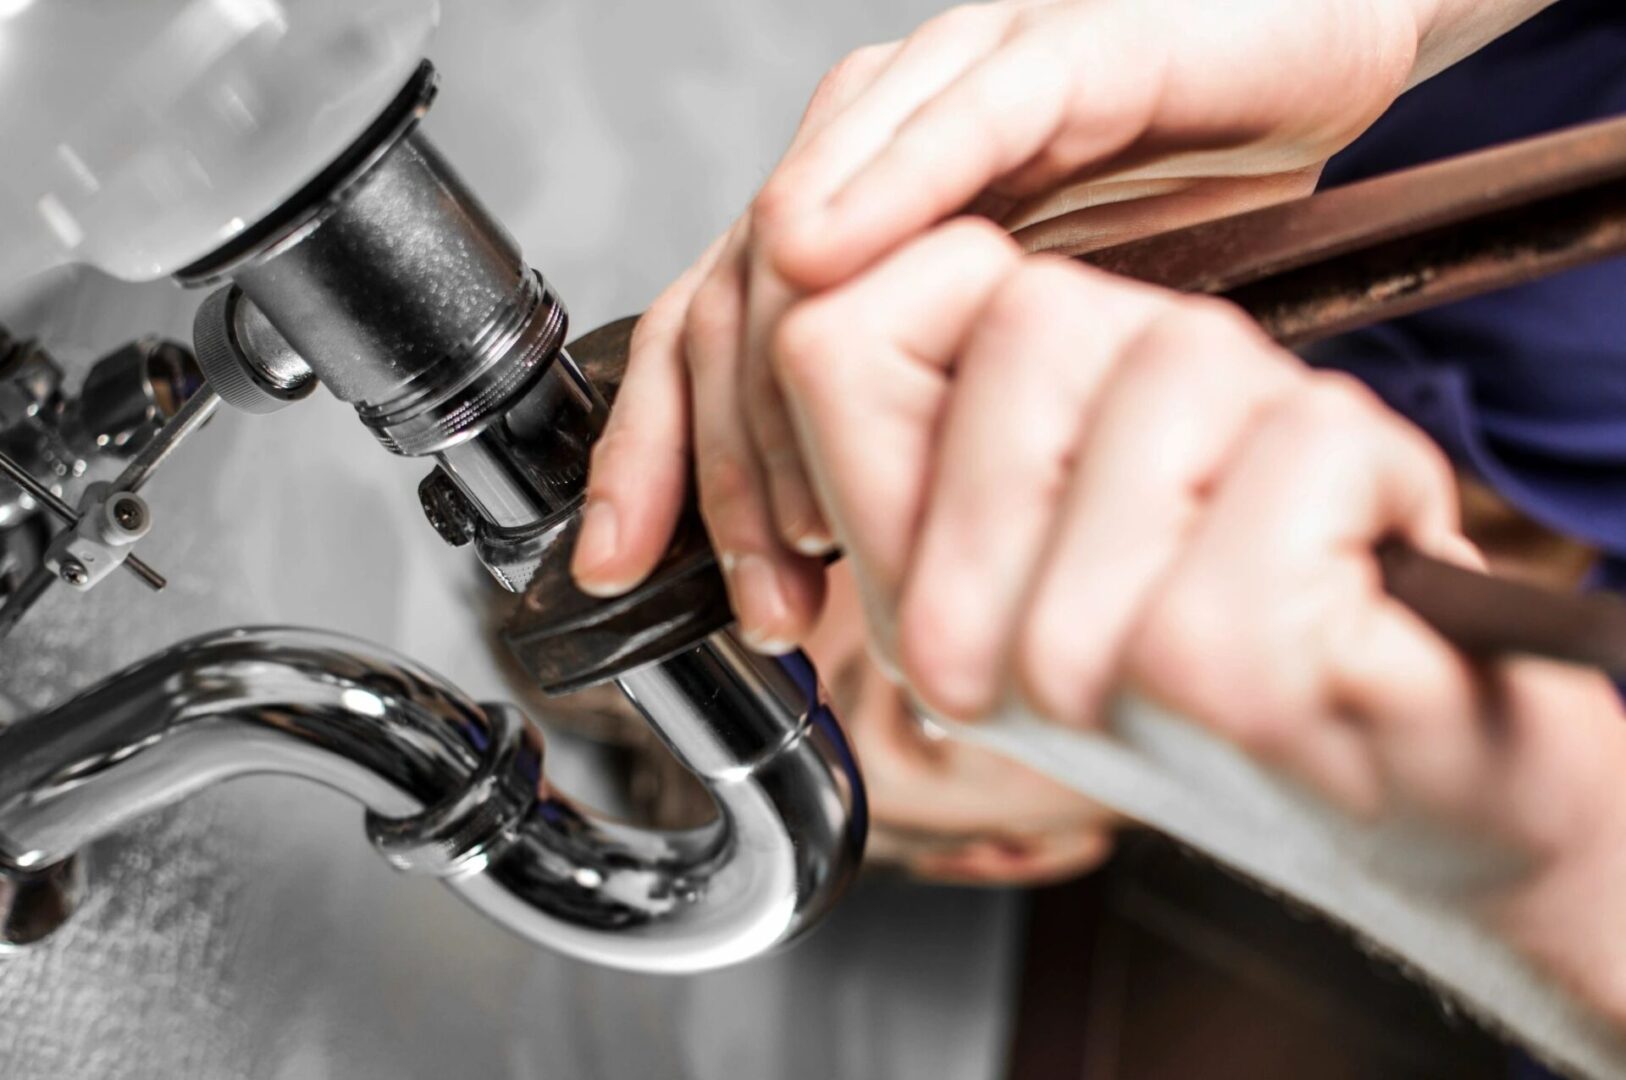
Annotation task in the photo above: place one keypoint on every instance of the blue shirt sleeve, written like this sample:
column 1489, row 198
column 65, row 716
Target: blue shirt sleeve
column 1526, row 388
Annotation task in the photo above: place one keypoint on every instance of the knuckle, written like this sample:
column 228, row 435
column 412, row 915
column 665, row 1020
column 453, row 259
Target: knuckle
column 1189, row 653
column 1038, row 462
column 1189, row 351
column 1423, row 456
column 1051, row 464
column 607, row 459
column 1431, row 463
column 938, row 648
column 1182, row 647
column 975, row 109
column 1422, row 459
column 1333, row 398
column 1165, row 327
column 856, row 66
column 724, row 478
column 646, row 331
column 1225, row 317
column 1053, row 671
column 1042, row 289
column 711, row 327
column 776, row 442
column 865, row 59
column 658, row 333
column 779, row 203
column 1162, row 355
column 1165, row 643
column 774, row 436
column 1333, row 422
column 979, row 240
column 727, row 499
column 623, row 459
column 666, row 307
column 830, row 85
column 1203, row 320
column 806, row 345
column 1344, row 425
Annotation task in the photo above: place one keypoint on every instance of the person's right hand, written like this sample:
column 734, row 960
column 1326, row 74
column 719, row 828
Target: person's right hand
column 946, row 810
column 1150, row 113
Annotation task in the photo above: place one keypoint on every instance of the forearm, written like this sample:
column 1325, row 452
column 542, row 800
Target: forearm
column 1448, row 30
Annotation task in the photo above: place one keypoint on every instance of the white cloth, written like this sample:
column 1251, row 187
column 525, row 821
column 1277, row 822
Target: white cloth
column 1392, row 885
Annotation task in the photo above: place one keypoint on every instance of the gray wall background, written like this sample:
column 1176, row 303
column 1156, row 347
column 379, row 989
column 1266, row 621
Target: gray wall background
column 254, row 933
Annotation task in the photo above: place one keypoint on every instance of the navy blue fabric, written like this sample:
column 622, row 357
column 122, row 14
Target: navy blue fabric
column 1527, row 388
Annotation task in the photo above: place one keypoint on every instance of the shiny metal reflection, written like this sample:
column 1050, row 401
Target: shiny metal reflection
column 456, row 789
column 34, row 903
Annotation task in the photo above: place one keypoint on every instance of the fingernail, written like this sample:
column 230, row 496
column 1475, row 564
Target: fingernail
column 815, row 543
column 595, row 545
column 801, row 525
column 759, row 603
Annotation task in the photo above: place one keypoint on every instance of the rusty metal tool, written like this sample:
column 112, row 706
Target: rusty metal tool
column 1392, row 246
column 1306, row 270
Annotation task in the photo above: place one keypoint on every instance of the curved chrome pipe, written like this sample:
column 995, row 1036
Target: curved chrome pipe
column 456, row 789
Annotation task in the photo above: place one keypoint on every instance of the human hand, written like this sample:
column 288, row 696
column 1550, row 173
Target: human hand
column 1154, row 113
column 944, row 809
column 1071, row 486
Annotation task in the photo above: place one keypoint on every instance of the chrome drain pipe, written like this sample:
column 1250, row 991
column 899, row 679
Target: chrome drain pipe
column 456, row 789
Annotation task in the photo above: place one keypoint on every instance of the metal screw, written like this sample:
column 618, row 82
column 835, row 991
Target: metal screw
column 52, row 502
column 127, row 512
column 74, row 572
